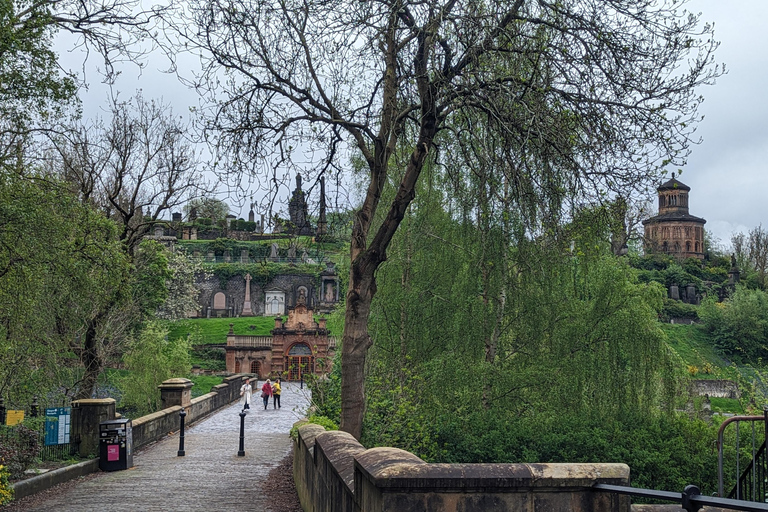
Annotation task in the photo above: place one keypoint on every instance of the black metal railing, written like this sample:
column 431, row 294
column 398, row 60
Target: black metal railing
column 690, row 499
column 751, row 481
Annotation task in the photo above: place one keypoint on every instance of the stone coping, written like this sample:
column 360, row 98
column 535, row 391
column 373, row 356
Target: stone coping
column 395, row 469
column 47, row 480
column 340, row 449
column 176, row 383
column 94, row 401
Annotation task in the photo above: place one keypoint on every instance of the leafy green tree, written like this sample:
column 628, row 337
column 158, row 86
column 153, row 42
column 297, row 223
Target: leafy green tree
column 62, row 272
column 739, row 325
column 591, row 95
column 208, row 208
column 152, row 358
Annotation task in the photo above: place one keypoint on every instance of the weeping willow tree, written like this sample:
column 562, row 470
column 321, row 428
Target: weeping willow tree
column 507, row 301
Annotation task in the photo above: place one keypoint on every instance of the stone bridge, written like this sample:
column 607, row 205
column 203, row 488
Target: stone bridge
column 210, row 477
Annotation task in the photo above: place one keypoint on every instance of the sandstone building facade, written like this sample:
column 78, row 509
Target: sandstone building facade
column 674, row 230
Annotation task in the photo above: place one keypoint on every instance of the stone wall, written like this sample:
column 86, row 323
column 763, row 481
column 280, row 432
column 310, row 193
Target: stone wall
column 334, row 473
column 152, row 427
column 234, row 290
column 715, row 388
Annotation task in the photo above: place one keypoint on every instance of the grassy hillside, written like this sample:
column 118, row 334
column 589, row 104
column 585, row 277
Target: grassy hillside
column 214, row 330
column 696, row 349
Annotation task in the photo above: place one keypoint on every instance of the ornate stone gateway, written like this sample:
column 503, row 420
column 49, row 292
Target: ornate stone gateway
column 299, row 361
column 298, row 346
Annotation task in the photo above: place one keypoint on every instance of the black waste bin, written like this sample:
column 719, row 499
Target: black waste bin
column 115, row 445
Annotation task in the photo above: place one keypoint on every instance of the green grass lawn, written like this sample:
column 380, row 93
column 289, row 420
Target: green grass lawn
column 726, row 405
column 214, row 330
column 203, row 384
column 694, row 347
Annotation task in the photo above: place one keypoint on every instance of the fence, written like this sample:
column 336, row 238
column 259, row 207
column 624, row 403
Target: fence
column 751, row 481
column 33, row 441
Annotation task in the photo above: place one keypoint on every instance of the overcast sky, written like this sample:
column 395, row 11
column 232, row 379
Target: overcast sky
column 729, row 187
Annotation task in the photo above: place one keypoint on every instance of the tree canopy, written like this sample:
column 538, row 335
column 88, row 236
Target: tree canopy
column 580, row 98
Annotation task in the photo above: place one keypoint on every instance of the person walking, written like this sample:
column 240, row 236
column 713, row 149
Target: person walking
column 266, row 392
column 276, row 394
column 245, row 392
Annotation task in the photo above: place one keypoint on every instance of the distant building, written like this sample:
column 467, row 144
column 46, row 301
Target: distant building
column 297, row 347
column 674, row 231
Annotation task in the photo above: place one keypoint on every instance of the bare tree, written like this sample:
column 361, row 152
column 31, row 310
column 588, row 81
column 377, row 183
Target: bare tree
column 136, row 168
column 593, row 95
column 34, row 88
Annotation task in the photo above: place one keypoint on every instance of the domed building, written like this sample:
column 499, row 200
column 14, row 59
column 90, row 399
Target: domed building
column 674, row 231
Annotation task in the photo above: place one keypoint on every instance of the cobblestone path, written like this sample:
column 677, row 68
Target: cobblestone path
column 211, row 477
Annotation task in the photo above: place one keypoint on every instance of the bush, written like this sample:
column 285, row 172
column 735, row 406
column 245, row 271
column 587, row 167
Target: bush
column 676, row 309
column 19, row 449
column 6, row 492
column 326, row 423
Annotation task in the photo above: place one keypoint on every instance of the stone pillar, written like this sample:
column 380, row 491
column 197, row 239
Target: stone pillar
column 86, row 416
column 674, row 292
column 247, row 304
column 176, row 391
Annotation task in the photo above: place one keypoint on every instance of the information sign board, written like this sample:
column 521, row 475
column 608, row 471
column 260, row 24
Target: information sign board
column 57, row 423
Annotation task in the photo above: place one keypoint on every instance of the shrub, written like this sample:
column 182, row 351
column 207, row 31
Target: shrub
column 6, row 492
column 19, row 449
column 326, row 423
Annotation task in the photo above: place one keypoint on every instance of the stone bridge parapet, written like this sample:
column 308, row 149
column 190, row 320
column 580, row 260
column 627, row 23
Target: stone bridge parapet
column 334, row 473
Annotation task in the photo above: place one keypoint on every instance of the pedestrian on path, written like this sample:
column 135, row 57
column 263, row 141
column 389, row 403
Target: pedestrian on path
column 245, row 392
column 276, row 394
column 266, row 392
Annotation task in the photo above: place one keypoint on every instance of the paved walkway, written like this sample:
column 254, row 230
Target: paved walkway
column 211, row 477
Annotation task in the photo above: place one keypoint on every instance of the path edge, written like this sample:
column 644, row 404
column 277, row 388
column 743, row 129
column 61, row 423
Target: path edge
column 50, row 479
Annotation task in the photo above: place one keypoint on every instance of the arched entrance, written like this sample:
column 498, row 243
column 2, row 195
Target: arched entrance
column 300, row 361
column 256, row 368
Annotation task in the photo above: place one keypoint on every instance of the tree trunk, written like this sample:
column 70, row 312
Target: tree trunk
column 92, row 364
column 355, row 344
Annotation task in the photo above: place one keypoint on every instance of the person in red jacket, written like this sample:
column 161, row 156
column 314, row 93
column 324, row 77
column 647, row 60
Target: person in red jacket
column 266, row 392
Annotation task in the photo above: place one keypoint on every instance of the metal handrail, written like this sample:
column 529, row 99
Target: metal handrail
column 720, row 436
column 690, row 499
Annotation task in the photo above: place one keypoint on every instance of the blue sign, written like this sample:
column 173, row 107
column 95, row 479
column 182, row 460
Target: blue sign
column 57, row 425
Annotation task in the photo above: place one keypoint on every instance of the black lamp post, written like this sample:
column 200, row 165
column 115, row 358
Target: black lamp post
column 241, row 451
column 181, row 452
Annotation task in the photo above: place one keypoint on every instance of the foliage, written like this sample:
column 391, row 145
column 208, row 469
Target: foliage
column 181, row 292
column 208, row 210
column 203, row 384
column 6, row 491
column 19, row 449
column 63, row 289
column 739, row 325
column 209, row 358
column 152, row 272
column 261, row 273
column 314, row 419
column 678, row 309
column 152, row 358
